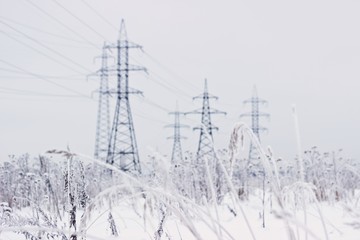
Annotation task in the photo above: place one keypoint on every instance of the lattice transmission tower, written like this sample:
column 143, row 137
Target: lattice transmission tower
column 103, row 115
column 122, row 150
column 177, row 156
column 255, row 115
column 205, row 147
column 206, row 163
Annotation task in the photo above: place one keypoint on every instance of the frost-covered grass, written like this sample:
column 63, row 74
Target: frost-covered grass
column 132, row 226
column 68, row 196
column 135, row 219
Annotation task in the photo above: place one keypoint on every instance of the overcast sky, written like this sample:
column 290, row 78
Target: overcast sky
column 296, row 52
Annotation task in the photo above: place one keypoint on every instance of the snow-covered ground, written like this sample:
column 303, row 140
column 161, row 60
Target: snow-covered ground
column 79, row 197
column 139, row 219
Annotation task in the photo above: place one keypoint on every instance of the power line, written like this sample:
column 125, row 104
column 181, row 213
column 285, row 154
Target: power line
column 165, row 84
column 42, row 31
column 46, row 47
column 162, row 108
column 42, row 53
column 155, row 105
column 170, row 71
column 31, row 77
column 169, row 86
column 45, row 79
column 29, row 93
column 46, row 76
column 26, row 76
column 62, row 24
column 149, row 118
column 179, row 93
column 151, row 71
column 55, row 43
column 14, row 91
column 65, row 45
column 99, row 15
column 79, row 19
column 173, row 88
column 29, row 98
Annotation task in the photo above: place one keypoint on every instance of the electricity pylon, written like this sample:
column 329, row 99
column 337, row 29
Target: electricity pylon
column 103, row 116
column 122, row 150
column 255, row 114
column 176, row 156
column 205, row 147
column 206, row 163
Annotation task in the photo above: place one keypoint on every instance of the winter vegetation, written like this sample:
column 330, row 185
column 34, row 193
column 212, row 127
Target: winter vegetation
column 53, row 84
column 68, row 196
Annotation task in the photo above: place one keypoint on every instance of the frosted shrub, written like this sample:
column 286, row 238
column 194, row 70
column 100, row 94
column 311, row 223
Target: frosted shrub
column 333, row 176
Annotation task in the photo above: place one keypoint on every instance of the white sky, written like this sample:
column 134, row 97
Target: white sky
column 297, row 52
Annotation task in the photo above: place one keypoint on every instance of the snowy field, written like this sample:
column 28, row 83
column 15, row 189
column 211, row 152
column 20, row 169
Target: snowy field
column 136, row 220
column 68, row 68
column 67, row 196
